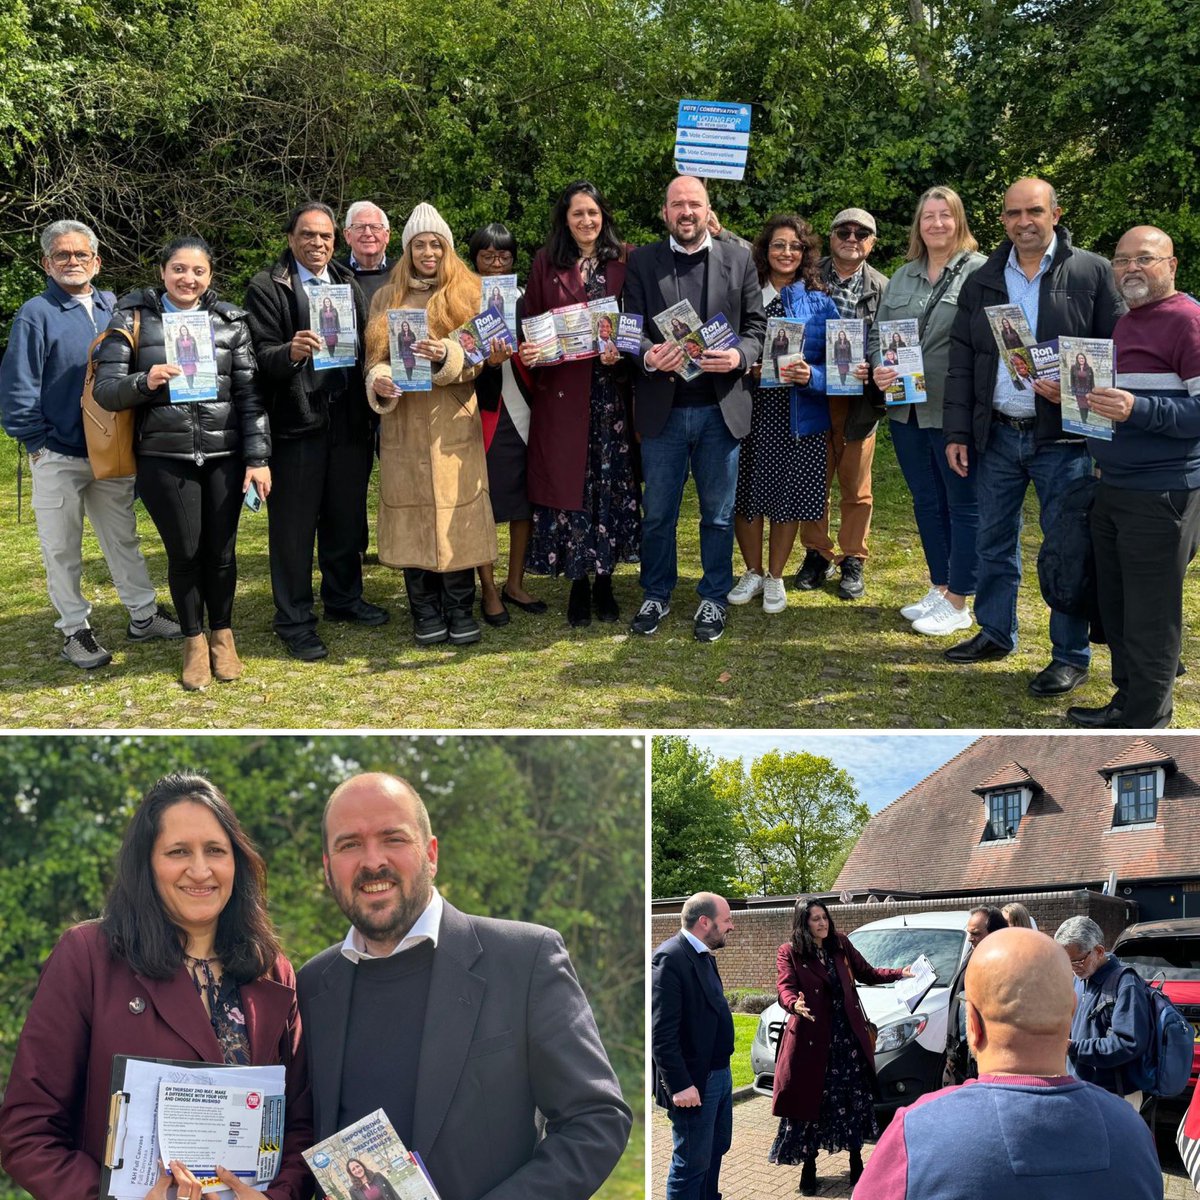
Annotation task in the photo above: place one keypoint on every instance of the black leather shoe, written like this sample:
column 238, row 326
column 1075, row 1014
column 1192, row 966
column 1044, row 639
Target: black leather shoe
column 1108, row 717
column 496, row 620
column 533, row 607
column 980, row 648
column 306, row 646
column 813, row 572
column 856, row 1165
column 359, row 613
column 603, row 600
column 808, row 1178
column 579, row 605
column 463, row 627
column 1057, row 679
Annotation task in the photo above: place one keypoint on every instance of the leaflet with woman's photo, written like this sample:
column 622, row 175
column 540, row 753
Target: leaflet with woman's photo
column 541, row 331
column 1085, row 364
column 573, row 324
column 501, row 292
column 367, row 1161
column 900, row 349
column 189, row 344
column 676, row 324
column 1012, row 334
column 407, row 327
column 844, row 342
column 629, row 333
column 604, row 313
column 784, row 345
column 332, row 319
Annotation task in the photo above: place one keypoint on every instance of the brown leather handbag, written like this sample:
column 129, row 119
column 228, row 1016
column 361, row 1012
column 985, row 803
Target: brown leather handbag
column 109, row 435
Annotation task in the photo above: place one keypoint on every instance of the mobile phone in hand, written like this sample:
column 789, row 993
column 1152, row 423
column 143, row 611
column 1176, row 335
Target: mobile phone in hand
column 253, row 500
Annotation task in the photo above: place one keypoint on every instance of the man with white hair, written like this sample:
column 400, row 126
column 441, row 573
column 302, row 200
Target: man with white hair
column 1112, row 1024
column 367, row 230
column 41, row 382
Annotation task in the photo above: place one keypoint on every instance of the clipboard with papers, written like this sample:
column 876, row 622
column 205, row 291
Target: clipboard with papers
column 149, row 1098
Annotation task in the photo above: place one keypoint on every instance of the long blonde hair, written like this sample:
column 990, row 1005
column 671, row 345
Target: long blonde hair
column 964, row 238
column 454, row 300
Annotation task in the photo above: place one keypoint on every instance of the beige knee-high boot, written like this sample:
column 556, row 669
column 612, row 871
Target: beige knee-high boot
column 223, row 654
column 196, row 672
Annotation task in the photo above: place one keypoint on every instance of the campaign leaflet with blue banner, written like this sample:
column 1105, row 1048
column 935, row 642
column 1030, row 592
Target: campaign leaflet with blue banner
column 1085, row 364
column 712, row 138
column 477, row 335
column 189, row 344
column 900, row 348
column 407, row 327
column 333, row 319
column 629, row 333
column 844, row 342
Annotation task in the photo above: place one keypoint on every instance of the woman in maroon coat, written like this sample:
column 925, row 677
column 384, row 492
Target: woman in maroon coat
column 581, row 481
column 184, row 965
column 825, row 1071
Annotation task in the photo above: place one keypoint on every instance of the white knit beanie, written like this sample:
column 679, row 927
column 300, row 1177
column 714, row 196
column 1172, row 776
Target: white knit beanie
column 425, row 219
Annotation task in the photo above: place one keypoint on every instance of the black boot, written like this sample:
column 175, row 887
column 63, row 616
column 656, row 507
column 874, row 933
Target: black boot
column 604, row 600
column 808, row 1177
column 856, row 1166
column 579, row 606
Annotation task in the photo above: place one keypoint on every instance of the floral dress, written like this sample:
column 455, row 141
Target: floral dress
column 847, row 1117
column 225, row 1009
column 608, row 529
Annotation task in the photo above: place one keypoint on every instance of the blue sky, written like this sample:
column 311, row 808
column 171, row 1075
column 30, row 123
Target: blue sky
column 884, row 766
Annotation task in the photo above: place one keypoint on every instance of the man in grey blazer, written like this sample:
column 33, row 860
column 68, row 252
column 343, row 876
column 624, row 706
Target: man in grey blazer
column 691, row 423
column 471, row 1033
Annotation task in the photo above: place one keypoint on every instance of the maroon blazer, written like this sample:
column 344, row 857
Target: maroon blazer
column 804, row 1046
column 561, row 409
column 55, row 1113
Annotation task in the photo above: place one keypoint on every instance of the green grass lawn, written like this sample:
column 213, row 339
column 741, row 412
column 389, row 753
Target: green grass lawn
column 822, row 663
column 628, row 1180
column 744, row 1025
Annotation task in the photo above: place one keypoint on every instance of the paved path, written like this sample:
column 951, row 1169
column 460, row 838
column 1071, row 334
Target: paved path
column 746, row 1174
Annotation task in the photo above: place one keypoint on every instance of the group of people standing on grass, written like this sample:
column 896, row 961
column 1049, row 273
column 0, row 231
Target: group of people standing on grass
column 586, row 461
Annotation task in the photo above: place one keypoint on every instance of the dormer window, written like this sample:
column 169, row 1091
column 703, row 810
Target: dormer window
column 1004, row 814
column 1135, row 796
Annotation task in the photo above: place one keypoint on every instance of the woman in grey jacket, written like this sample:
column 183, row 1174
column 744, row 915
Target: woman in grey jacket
column 942, row 253
column 196, row 459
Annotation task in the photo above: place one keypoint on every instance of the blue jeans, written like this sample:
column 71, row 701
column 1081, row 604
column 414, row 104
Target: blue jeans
column 699, row 1137
column 1011, row 460
column 699, row 437
column 944, row 505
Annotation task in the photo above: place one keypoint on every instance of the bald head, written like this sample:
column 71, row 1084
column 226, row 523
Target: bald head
column 686, row 210
column 1030, row 214
column 380, row 788
column 1144, row 265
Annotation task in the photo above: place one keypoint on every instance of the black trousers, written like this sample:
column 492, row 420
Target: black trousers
column 437, row 594
column 1144, row 542
column 318, row 493
column 195, row 510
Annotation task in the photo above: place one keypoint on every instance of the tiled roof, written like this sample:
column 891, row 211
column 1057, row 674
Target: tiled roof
column 1011, row 774
column 928, row 840
column 1139, row 753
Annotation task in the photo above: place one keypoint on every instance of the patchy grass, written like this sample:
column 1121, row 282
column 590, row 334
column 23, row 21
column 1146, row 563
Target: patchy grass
column 822, row 663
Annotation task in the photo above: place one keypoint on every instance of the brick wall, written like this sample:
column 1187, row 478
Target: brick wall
column 748, row 959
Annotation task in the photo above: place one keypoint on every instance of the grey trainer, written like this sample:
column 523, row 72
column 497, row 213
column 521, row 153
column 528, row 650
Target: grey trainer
column 82, row 649
column 161, row 625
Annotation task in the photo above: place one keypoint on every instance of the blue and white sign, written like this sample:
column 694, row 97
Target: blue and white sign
column 712, row 139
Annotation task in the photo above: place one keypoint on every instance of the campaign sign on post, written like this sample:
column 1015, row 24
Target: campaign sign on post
column 712, row 139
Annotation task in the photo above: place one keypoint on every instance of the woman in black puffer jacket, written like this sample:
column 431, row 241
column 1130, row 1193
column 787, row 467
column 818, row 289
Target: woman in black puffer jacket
column 196, row 459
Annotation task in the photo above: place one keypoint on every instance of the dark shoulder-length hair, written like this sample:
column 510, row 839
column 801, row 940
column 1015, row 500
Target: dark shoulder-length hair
column 802, row 940
column 561, row 248
column 135, row 920
column 809, row 270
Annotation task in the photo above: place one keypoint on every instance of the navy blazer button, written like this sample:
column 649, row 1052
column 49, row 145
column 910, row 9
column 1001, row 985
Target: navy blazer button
column 137, row 1006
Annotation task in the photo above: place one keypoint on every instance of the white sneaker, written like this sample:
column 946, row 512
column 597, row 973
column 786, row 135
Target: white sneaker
column 746, row 588
column 910, row 612
column 943, row 618
column 774, row 594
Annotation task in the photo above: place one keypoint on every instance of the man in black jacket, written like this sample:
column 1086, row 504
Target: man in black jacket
column 691, row 1043
column 1018, row 434
column 321, row 439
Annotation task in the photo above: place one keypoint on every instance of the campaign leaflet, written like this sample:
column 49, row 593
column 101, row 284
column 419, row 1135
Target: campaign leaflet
column 407, row 327
column 604, row 313
column 629, row 333
column 676, row 324
column 368, row 1159
column 332, row 319
column 1085, row 364
column 188, row 340
column 783, row 346
column 477, row 335
column 900, row 348
column 1012, row 333
column 576, row 339
column 844, row 342
column 501, row 292
column 715, row 334
column 540, row 331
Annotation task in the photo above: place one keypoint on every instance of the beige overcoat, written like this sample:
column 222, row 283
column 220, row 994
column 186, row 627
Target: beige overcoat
column 434, row 507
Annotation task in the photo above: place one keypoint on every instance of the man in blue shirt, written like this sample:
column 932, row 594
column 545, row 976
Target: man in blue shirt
column 1017, row 433
column 41, row 383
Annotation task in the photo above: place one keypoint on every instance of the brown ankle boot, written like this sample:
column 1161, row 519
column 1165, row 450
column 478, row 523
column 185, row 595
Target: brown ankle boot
column 196, row 672
column 223, row 654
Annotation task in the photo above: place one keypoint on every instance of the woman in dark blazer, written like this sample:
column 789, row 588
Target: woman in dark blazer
column 586, row 514
column 825, row 1083
column 184, row 964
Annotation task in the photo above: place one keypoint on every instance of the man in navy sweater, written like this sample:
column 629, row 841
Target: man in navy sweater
column 41, row 382
column 1033, row 1131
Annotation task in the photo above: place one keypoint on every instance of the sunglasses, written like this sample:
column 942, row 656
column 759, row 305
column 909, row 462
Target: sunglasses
column 853, row 233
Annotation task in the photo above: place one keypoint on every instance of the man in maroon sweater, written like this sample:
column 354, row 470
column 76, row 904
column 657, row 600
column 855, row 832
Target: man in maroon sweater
column 1146, row 518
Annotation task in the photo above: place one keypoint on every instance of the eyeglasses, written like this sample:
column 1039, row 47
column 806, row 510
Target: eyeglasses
column 781, row 247
column 495, row 256
column 1124, row 261
column 853, row 233
column 63, row 258
column 1078, row 962
column 366, row 227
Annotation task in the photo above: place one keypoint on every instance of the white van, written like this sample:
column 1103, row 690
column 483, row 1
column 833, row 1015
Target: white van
column 910, row 1052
